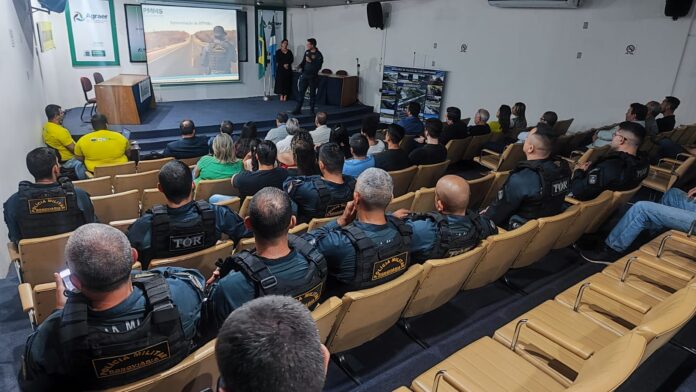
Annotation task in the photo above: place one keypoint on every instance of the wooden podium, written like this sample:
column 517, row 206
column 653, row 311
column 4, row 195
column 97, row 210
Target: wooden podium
column 123, row 99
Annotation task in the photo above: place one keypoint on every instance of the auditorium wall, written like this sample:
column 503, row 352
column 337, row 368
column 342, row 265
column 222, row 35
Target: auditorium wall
column 22, row 102
column 518, row 54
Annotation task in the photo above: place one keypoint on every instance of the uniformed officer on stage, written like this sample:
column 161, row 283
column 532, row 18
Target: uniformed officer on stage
column 310, row 66
column 322, row 196
column 536, row 188
column 183, row 225
column 116, row 326
column 218, row 56
column 365, row 247
column 622, row 169
column 281, row 264
column 47, row 206
column 451, row 229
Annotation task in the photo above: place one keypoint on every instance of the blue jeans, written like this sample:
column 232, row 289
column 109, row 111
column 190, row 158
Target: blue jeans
column 675, row 211
column 79, row 166
column 218, row 198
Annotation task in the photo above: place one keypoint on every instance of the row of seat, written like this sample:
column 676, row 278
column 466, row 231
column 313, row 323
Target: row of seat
column 592, row 336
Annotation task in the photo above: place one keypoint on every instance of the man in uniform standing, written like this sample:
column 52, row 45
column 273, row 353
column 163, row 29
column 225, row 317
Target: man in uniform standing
column 218, row 56
column 310, row 66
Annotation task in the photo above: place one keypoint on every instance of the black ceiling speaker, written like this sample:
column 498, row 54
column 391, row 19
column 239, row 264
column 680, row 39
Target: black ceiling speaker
column 375, row 17
column 677, row 8
column 53, row 5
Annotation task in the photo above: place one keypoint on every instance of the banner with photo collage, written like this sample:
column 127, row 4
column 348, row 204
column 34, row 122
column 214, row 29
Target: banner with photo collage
column 401, row 85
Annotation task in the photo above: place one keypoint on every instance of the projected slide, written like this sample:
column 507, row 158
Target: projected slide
column 190, row 44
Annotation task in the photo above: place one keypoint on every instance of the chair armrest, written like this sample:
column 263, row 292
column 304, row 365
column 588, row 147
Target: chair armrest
column 501, row 230
column 556, row 336
column 634, row 304
column 569, row 160
column 13, row 251
column 670, row 160
column 661, row 170
column 489, row 152
column 686, row 156
column 572, row 201
column 576, row 153
column 230, row 203
column 26, row 296
column 665, row 269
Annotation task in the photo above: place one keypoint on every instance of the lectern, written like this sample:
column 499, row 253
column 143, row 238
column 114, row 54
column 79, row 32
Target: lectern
column 123, row 99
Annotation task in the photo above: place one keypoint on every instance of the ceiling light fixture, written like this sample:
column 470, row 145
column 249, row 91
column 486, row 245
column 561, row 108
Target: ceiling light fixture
column 304, row 5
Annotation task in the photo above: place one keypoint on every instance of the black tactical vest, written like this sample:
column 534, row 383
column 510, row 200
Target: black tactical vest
column 171, row 239
column 307, row 290
column 48, row 211
column 373, row 265
column 332, row 203
column 555, row 185
column 96, row 359
column 633, row 172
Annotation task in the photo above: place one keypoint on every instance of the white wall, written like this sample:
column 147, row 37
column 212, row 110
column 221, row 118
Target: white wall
column 23, row 104
column 685, row 80
column 518, row 54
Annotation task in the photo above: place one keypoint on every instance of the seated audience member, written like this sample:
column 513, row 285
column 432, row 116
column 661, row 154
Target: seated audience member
column 667, row 148
column 620, row 170
column 226, row 127
column 519, row 120
column 451, row 229
column 654, row 110
column 113, row 315
column 370, row 126
column 480, row 126
column 454, row 127
column 58, row 137
column 46, row 207
column 667, row 122
column 536, row 187
column 502, row 124
column 189, row 146
column 364, row 247
column 339, row 135
column 394, row 157
column 548, row 118
column 271, row 344
column 101, row 147
column 603, row 136
column 298, row 269
column 432, row 151
column 411, row 123
column 181, row 226
column 292, row 126
column 247, row 140
column 280, row 131
column 676, row 211
column 360, row 161
column 321, row 196
column 322, row 132
column 222, row 164
column 305, row 159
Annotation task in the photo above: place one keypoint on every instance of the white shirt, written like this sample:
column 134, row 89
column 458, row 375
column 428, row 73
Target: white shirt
column 284, row 145
column 377, row 148
column 321, row 135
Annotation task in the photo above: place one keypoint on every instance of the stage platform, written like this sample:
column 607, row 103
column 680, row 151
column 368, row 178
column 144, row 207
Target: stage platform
column 161, row 125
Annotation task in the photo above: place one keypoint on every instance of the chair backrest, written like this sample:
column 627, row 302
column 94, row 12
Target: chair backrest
column 479, row 188
column 86, row 85
column 456, row 149
column 203, row 260
column 154, row 164
column 424, row 200
column 550, row 228
column 610, row 366
column 427, row 175
column 498, row 182
column 207, row 188
column 401, row 179
column 561, row 127
column 39, row 258
column 475, row 145
column 152, row 197
column 441, row 280
column 119, row 206
column 233, row 204
column 326, row 71
column 404, row 201
column 677, row 133
column 98, row 77
column 98, row 186
column 195, row 373
column 316, row 223
column 366, row 314
column 122, row 225
column 619, row 198
column 501, row 250
column 190, row 161
column 244, row 209
column 113, row 170
column 138, row 181
column 511, row 156
column 563, row 144
column 588, row 211
column 325, row 316
column 342, row 72
column 43, row 300
column 682, row 169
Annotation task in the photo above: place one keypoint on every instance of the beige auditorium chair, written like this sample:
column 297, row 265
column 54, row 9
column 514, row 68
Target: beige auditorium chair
column 549, row 229
column 662, row 179
column 404, row 201
column 139, row 181
column 38, row 302
column 589, row 210
column 479, row 189
column 203, row 260
column 673, row 244
column 320, row 222
column 119, row 206
column 497, row 185
column 244, row 209
column 474, row 147
column 424, row 201
column 325, row 315
column 507, row 160
column 233, row 204
column 250, row 243
column 206, row 188
column 618, row 200
column 122, row 225
column 653, row 277
column 97, row 186
column 154, row 164
column 151, row 198
column 190, row 161
column 39, row 258
column 113, row 170
column 427, row 175
column 401, row 179
column 456, row 148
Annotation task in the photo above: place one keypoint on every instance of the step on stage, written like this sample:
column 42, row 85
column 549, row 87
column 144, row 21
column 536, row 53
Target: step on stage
column 161, row 125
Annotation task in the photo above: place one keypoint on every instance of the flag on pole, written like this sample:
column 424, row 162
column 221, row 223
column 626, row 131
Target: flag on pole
column 272, row 47
column 261, row 48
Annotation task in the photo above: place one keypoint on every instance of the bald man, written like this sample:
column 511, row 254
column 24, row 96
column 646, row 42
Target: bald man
column 451, row 229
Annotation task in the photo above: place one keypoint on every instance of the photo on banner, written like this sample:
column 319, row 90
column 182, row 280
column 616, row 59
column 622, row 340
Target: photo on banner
column 92, row 32
column 402, row 85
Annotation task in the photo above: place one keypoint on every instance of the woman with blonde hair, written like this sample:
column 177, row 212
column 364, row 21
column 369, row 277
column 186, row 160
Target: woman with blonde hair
column 222, row 164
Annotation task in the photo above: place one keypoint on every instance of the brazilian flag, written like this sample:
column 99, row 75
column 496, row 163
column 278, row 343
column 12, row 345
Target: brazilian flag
column 261, row 48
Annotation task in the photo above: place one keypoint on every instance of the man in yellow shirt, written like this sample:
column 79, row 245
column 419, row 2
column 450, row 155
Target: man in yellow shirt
column 58, row 137
column 102, row 147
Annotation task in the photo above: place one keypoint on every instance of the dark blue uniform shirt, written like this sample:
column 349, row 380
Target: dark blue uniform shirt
column 306, row 203
column 191, row 147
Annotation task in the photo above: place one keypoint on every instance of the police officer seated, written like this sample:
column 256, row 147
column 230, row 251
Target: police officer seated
column 536, row 188
column 47, row 206
column 451, row 229
column 183, row 225
column 281, row 264
column 113, row 325
column 364, row 247
column 322, row 196
column 622, row 169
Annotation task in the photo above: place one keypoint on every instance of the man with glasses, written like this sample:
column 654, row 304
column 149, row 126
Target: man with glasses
column 622, row 169
column 56, row 136
column 603, row 136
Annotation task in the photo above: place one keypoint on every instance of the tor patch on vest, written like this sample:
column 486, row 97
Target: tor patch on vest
column 47, row 205
column 126, row 363
column 389, row 266
column 312, row 296
column 335, row 209
column 186, row 242
column 559, row 187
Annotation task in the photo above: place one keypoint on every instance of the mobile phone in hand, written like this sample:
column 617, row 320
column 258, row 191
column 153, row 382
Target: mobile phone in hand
column 65, row 275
